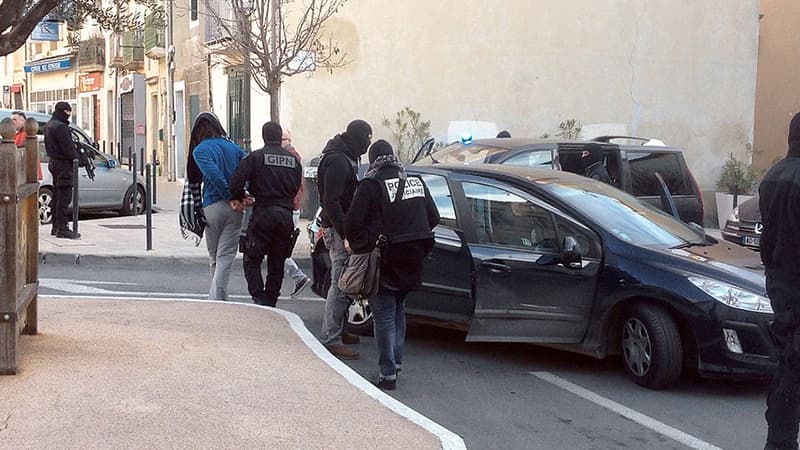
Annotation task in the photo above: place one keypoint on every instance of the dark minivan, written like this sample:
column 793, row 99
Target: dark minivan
column 632, row 168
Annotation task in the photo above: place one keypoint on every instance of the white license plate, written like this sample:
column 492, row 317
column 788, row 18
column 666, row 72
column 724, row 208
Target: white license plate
column 752, row 240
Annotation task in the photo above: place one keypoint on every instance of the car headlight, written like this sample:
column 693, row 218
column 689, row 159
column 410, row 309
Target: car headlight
column 734, row 216
column 732, row 296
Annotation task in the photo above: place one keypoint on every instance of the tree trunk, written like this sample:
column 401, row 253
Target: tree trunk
column 275, row 102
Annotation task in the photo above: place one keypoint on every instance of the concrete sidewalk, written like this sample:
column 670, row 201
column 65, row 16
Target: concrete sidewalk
column 122, row 373
column 112, row 373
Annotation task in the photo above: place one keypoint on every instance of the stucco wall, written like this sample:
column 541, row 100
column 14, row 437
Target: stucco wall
column 680, row 70
column 777, row 94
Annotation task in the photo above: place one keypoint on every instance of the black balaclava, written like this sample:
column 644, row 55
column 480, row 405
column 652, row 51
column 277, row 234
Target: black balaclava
column 357, row 137
column 379, row 148
column 504, row 134
column 58, row 111
column 794, row 137
column 595, row 155
column 272, row 133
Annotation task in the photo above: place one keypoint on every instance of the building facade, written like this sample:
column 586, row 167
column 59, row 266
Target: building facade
column 777, row 93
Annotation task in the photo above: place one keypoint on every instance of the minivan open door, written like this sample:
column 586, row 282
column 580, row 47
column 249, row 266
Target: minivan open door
column 667, row 202
column 424, row 150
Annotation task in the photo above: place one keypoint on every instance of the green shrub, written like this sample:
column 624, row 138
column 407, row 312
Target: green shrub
column 736, row 175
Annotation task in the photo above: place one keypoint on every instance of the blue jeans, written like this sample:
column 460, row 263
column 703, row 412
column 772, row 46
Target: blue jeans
column 336, row 304
column 389, row 321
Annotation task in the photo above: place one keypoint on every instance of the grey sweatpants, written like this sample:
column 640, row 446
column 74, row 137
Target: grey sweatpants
column 222, row 240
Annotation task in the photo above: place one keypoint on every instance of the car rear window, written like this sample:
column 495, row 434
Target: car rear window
column 645, row 164
column 459, row 153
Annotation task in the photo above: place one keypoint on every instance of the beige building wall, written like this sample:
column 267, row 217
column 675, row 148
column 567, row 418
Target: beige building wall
column 778, row 87
column 679, row 70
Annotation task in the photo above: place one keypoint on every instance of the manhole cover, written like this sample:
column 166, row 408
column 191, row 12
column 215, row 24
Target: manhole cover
column 124, row 227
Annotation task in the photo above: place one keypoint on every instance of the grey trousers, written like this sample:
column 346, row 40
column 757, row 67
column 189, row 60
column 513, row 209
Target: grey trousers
column 336, row 304
column 222, row 240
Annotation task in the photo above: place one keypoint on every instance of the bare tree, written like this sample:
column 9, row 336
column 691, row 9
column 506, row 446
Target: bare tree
column 274, row 39
column 20, row 17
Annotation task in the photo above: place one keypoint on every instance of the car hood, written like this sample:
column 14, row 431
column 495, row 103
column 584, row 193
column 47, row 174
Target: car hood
column 725, row 262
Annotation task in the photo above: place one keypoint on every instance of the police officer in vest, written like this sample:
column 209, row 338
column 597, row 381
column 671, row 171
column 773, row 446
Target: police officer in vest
column 273, row 176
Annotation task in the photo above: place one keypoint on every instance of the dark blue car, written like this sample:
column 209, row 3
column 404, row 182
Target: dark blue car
column 552, row 258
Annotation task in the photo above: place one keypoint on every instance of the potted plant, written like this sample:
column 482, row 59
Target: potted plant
column 735, row 185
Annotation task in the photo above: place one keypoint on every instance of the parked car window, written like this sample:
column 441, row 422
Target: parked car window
column 505, row 219
column 464, row 154
column 437, row 185
column 623, row 215
column 644, row 164
column 540, row 159
column 590, row 247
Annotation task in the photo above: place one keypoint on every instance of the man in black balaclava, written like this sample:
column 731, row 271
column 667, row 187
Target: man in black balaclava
column 779, row 202
column 592, row 163
column 61, row 150
column 337, row 181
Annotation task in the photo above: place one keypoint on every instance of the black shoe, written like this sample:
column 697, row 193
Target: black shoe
column 350, row 339
column 67, row 234
column 386, row 384
column 299, row 286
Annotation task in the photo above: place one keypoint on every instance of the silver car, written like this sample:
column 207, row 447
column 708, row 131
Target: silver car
column 111, row 189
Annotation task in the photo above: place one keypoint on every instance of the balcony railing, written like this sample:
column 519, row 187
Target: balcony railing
column 154, row 38
column 92, row 55
column 133, row 49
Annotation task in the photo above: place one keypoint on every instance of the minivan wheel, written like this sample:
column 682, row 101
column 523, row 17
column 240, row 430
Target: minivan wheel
column 45, row 206
column 651, row 347
column 359, row 318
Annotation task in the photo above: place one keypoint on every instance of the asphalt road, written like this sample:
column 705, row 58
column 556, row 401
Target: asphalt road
column 496, row 396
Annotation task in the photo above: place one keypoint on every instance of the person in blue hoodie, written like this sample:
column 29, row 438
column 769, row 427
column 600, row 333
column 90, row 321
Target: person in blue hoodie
column 214, row 158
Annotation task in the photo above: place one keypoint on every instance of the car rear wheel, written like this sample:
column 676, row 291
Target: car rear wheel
column 651, row 347
column 127, row 204
column 45, row 205
column 359, row 318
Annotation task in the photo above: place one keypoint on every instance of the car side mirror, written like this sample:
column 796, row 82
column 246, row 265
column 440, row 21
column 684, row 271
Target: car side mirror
column 571, row 253
column 112, row 163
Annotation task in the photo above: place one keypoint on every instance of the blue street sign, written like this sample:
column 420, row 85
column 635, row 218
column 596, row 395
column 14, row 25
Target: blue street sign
column 45, row 31
column 48, row 66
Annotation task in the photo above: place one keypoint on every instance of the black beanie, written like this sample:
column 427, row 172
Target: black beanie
column 272, row 133
column 378, row 149
column 358, row 135
column 63, row 106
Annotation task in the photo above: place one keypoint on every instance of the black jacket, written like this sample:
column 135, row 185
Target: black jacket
column 407, row 223
column 58, row 139
column 337, row 179
column 598, row 171
column 274, row 176
column 779, row 202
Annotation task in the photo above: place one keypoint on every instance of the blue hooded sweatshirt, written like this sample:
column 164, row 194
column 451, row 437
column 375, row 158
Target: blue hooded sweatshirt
column 217, row 158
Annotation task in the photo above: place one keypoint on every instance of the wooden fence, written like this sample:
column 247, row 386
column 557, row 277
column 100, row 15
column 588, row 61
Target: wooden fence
column 19, row 241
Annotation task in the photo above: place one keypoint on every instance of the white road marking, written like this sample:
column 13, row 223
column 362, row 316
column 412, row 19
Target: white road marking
column 85, row 287
column 448, row 439
column 624, row 411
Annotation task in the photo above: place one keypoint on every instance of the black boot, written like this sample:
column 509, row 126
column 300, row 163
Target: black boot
column 68, row 234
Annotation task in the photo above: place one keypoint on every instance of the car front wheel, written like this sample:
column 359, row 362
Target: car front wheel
column 45, row 205
column 359, row 318
column 127, row 205
column 651, row 347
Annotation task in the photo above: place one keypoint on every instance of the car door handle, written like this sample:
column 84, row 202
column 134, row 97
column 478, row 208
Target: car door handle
column 497, row 267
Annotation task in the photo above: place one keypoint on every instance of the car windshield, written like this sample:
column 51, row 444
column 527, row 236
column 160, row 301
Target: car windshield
column 459, row 153
column 623, row 215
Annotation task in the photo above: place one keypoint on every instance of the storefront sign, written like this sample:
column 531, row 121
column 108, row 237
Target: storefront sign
column 90, row 82
column 49, row 66
column 15, row 88
column 140, row 129
column 45, row 31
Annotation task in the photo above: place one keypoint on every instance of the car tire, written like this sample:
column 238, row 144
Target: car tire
column 45, row 206
column 651, row 347
column 359, row 318
column 127, row 203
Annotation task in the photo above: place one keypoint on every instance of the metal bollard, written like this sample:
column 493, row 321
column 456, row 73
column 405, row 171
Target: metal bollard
column 141, row 160
column 75, row 196
column 104, row 146
column 134, row 199
column 111, row 148
column 155, row 177
column 149, row 182
column 130, row 158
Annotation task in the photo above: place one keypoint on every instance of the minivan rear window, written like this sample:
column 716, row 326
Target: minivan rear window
column 645, row 164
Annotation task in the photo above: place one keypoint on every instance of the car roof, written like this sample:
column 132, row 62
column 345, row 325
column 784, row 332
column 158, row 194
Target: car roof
column 516, row 143
column 650, row 149
column 499, row 170
column 36, row 115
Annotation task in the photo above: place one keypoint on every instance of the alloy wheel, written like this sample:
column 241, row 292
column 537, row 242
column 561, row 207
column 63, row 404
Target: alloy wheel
column 636, row 347
column 45, row 207
column 359, row 312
